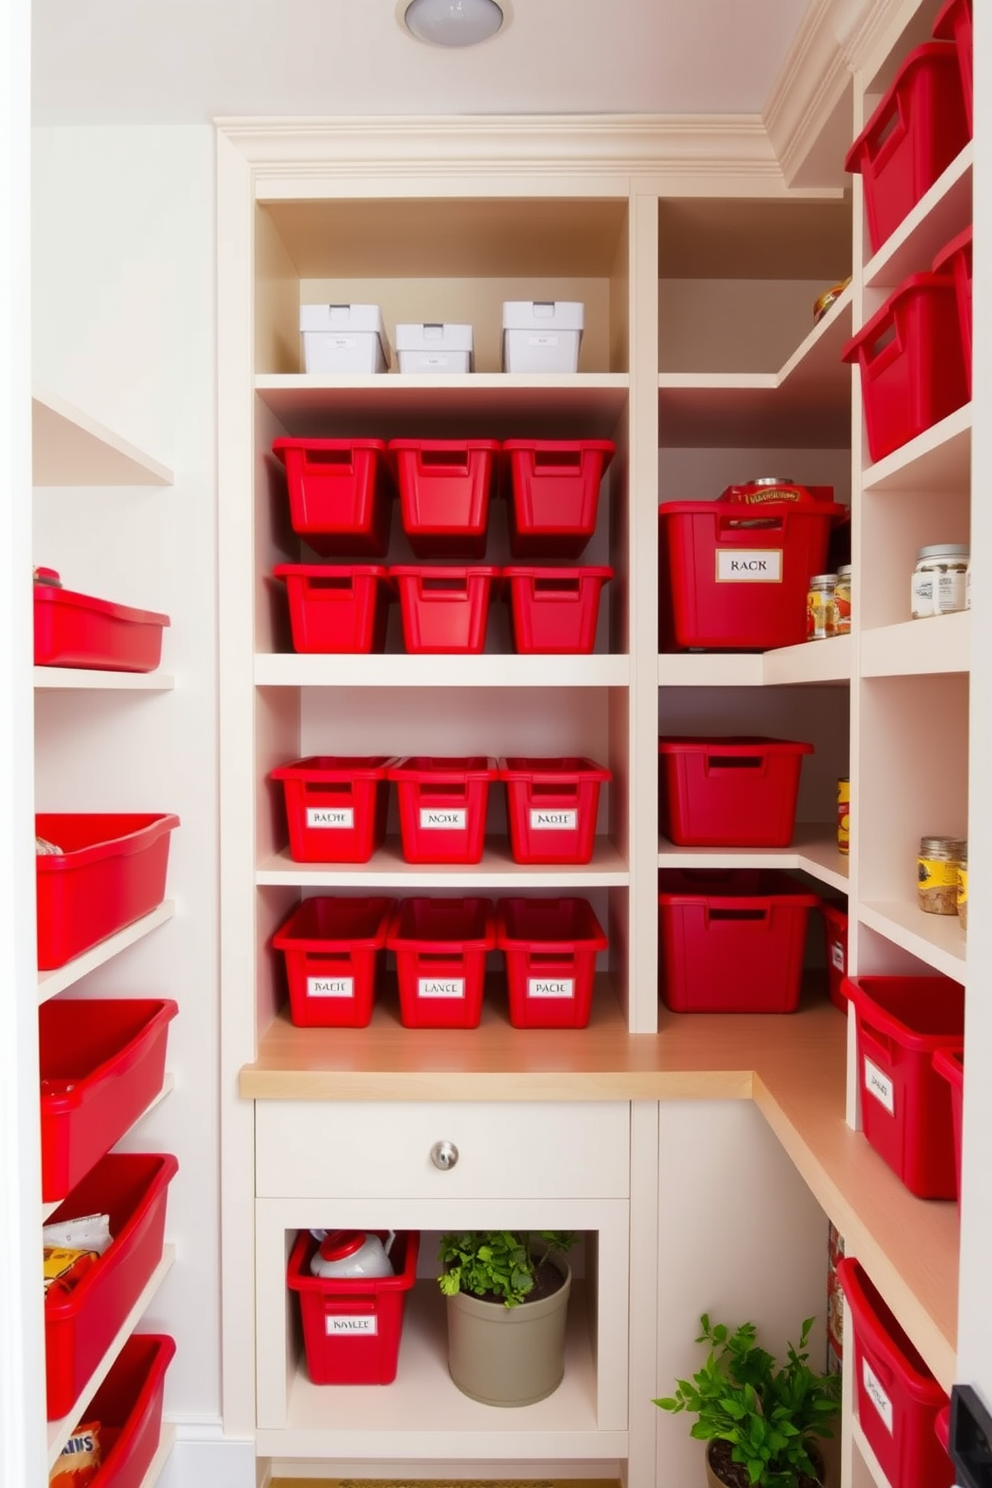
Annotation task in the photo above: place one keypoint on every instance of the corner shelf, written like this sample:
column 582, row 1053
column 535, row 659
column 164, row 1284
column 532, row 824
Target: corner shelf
column 55, row 679
column 809, row 663
column 52, row 982
column 939, row 459
column 72, row 449
column 937, row 940
column 813, row 850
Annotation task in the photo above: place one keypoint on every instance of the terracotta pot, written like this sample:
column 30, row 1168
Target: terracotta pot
column 712, row 1481
column 508, row 1356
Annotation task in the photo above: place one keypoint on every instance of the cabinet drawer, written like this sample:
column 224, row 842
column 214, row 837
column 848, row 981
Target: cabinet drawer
column 376, row 1149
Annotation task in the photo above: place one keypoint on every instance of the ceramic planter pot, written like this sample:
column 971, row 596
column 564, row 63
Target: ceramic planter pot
column 508, row 1356
column 712, row 1481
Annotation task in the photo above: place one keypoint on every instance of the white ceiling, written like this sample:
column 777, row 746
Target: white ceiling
column 187, row 61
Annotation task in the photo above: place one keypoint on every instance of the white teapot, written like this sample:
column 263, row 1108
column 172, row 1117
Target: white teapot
column 351, row 1254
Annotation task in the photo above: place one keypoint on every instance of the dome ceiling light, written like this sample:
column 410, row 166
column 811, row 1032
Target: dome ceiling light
column 453, row 23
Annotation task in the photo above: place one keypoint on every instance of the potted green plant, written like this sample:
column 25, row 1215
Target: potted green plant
column 762, row 1420
column 507, row 1297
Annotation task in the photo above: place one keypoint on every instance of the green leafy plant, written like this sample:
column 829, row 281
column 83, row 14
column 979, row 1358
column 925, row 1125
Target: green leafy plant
column 498, row 1264
column 771, row 1416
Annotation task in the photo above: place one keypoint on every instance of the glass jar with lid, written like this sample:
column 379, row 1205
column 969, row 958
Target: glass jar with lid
column 939, row 580
column 820, row 610
column 842, row 600
column 937, row 873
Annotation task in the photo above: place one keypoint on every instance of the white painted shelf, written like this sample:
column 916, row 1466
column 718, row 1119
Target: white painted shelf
column 166, row 1441
column 813, row 850
column 917, row 648
column 937, row 460
column 50, row 679
column 811, row 662
column 290, row 670
column 867, row 1455
column 496, row 870
column 937, row 940
column 70, row 448
column 939, row 216
column 51, row 982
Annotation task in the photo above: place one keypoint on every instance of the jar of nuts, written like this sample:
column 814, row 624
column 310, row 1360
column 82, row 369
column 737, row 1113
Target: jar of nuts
column 937, row 873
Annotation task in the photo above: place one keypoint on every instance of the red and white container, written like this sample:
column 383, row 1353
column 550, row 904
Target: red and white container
column 440, row 947
column 554, row 494
column 102, row 1063
column 333, row 948
column 77, row 630
column 111, row 871
column 445, row 487
column 555, row 611
column 955, row 259
column 552, row 806
column 443, row 803
column 905, row 1105
column 444, row 609
column 336, row 806
column 339, row 608
column 835, row 933
column 733, row 792
column 954, row 23
column 550, row 946
column 128, row 1406
column 949, row 1064
column 340, row 494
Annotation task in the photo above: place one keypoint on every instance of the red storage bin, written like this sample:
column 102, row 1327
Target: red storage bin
column 734, row 792
column 554, row 494
column 445, row 486
column 737, row 580
column 336, row 806
column 128, row 1406
column 352, row 1326
column 442, row 803
column 110, row 872
column 912, row 137
column 949, row 1064
column 76, row 630
column 905, row 1105
column 911, row 361
column 444, row 609
column 102, row 1063
column 335, row 608
column 954, row 23
column 835, row 929
column 898, row 1398
column 340, row 494
column 551, row 807
column 955, row 260
column 440, row 947
column 732, row 942
column 550, row 947
column 81, row 1324
column 334, row 951
column 555, row 610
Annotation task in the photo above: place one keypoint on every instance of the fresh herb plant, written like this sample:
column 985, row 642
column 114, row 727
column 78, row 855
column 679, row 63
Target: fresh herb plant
column 499, row 1264
column 771, row 1416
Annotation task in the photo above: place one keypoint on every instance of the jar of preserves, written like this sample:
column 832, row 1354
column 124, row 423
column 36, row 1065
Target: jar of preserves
column 842, row 600
column 843, row 814
column 937, row 873
column 939, row 585
column 820, row 612
column 963, row 891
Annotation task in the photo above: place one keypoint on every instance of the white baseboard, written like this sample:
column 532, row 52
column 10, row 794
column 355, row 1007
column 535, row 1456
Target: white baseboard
column 203, row 1457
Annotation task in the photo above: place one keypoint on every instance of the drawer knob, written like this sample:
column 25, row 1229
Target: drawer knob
column 444, row 1155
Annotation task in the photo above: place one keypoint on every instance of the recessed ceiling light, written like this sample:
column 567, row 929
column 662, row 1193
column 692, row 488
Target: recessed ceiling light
column 453, row 23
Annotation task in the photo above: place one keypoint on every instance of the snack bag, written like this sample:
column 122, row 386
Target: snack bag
column 64, row 1267
column 79, row 1460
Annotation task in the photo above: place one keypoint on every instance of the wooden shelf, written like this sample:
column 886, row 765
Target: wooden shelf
column 811, row 663
column 937, row 460
column 937, row 940
column 71, row 449
column 918, row 648
column 938, row 217
column 813, row 850
column 290, row 670
column 50, row 679
column 497, row 870
column 52, row 982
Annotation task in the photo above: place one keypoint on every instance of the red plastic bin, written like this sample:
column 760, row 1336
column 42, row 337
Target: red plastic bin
column 734, row 792
column 77, row 630
column 440, row 947
column 554, row 494
column 835, row 930
column 336, row 608
column 445, row 487
column 336, row 806
column 102, row 1062
column 912, row 362
column 443, row 803
column 555, row 611
column 334, row 952
column 550, row 947
column 954, row 23
column 911, row 138
column 110, row 872
column 444, row 609
column 905, row 1105
column 552, row 806
column 732, row 941
column 955, row 260
column 949, row 1064
column 340, row 494
column 128, row 1406
column 81, row 1324
column 352, row 1327
column 737, row 581
column 898, row 1398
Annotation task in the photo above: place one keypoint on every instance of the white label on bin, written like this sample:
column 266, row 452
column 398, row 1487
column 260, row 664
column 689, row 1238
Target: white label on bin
column 749, row 565
column 453, row 987
column 553, row 821
column 434, row 819
column 542, row 340
column 550, row 986
column 341, row 343
column 880, row 1086
column 330, row 986
column 354, row 1325
column 434, row 361
column 837, row 955
column 877, row 1395
column 331, row 816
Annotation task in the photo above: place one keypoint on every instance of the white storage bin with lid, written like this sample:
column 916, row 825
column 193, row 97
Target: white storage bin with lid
column 542, row 335
column 343, row 338
column 434, row 347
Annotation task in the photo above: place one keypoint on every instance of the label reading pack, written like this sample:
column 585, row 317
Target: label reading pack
column 880, row 1086
column 452, row 819
column 550, row 986
column 330, row 986
column 331, row 817
column 354, row 1325
column 749, row 565
column 452, row 987
column 837, row 955
column 553, row 821
column 877, row 1395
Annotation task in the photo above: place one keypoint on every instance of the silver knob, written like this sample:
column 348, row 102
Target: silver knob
column 444, row 1155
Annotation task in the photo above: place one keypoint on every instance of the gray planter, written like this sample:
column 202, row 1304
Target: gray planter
column 508, row 1356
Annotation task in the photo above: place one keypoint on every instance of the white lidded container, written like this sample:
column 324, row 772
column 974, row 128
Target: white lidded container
column 542, row 335
column 343, row 338
column 434, row 347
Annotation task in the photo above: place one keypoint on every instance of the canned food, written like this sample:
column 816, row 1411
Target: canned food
column 937, row 873
column 843, row 814
column 821, row 620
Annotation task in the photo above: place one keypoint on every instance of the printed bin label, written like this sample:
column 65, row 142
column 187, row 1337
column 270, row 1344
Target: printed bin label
column 330, row 986
column 441, row 987
column 331, row 816
column 352, row 1325
column 837, row 955
column 877, row 1396
column 749, row 565
column 880, row 1086
column 553, row 821
column 447, row 819
column 542, row 340
column 550, row 986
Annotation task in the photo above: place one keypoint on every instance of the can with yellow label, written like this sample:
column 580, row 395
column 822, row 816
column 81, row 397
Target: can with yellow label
column 843, row 814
